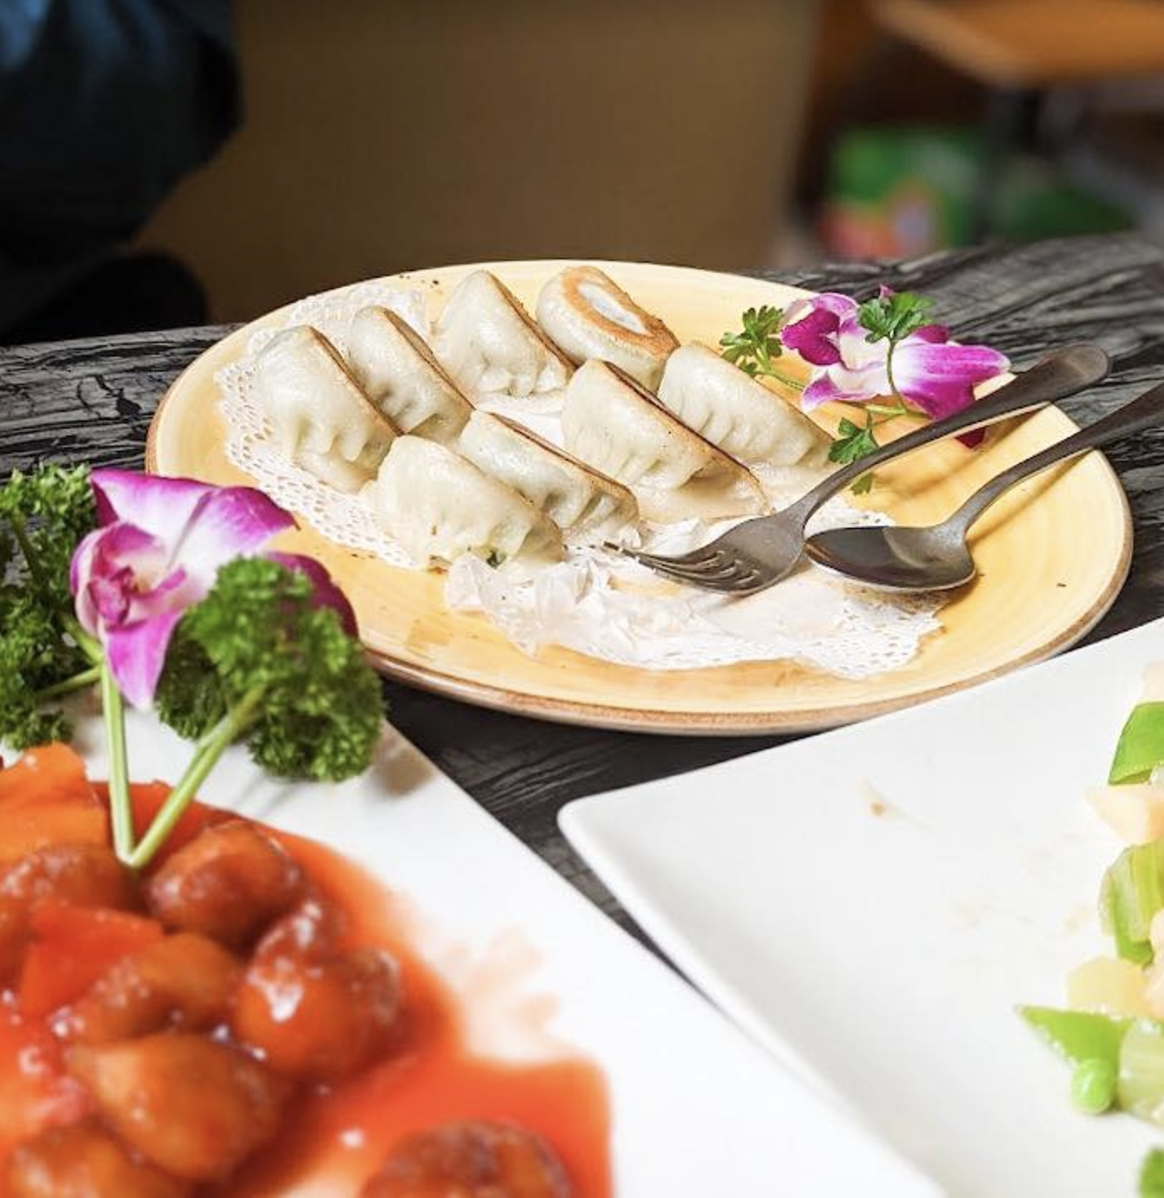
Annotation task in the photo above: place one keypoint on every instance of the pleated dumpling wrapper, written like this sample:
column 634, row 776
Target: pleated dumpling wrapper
column 738, row 413
column 614, row 424
column 437, row 505
column 403, row 378
column 490, row 344
column 586, row 505
column 322, row 419
column 588, row 315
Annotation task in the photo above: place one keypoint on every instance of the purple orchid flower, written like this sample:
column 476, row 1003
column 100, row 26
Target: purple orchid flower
column 932, row 373
column 157, row 552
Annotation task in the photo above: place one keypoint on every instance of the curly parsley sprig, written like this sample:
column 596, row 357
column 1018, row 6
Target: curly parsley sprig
column 256, row 662
column 758, row 344
column 44, row 655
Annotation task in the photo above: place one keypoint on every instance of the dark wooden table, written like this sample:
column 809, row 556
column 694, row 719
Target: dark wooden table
column 94, row 400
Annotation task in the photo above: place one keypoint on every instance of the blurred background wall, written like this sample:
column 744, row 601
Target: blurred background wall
column 381, row 136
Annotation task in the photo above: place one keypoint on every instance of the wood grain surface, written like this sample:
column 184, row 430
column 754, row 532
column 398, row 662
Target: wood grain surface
column 94, row 399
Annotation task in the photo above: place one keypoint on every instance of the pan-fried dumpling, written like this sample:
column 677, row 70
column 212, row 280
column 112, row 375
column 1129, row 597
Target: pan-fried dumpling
column 585, row 504
column 588, row 315
column 437, row 504
column 321, row 417
column 615, row 425
column 403, row 378
column 737, row 413
column 490, row 345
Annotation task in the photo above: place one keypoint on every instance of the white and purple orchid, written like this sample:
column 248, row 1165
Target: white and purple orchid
column 925, row 368
column 157, row 551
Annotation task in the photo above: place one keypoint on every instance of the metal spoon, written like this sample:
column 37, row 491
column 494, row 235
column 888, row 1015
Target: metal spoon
column 937, row 558
column 759, row 552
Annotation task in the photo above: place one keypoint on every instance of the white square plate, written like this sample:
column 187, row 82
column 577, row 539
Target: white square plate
column 872, row 903
column 696, row 1110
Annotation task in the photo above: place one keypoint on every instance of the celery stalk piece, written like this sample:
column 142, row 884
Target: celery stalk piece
column 1131, row 893
column 1152, row 1175
column 1141, row 1082
column 1141, row 745
column 1079, row 1036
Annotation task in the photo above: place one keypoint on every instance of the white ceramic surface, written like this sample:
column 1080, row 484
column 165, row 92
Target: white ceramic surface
column 696, row 1110
column 873, row 902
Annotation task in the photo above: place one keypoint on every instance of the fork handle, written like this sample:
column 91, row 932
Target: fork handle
column 1143, row 412
column 1061, row 373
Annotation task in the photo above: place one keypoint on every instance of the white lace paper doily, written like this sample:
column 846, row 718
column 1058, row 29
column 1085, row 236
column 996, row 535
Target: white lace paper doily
column 595, row 602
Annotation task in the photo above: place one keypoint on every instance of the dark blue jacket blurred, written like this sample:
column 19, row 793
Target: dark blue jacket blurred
column 104, row 106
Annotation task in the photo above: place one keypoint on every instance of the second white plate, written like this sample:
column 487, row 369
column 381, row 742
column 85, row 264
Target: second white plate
column 871, row 904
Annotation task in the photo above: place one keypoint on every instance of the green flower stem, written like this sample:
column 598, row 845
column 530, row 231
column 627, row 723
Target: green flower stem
column 31, row 560
column 889, row 370
column 120, row 808
column 794, row 384
column 68, row 685
column 209, row 750
column 899, row 409
column 89, row 645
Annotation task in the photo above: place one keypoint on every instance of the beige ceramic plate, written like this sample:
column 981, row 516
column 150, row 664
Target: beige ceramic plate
column 1053, row 555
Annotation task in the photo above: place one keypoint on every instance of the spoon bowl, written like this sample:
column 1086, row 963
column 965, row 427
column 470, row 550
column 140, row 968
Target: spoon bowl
column 896, row 559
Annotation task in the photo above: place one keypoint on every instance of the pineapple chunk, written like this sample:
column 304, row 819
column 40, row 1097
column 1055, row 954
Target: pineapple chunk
column 1134, row 812
column 1109, row 986
column 1153, row 685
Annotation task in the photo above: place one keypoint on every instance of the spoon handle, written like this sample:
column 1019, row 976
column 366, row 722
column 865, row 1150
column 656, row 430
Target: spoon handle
column 1143, row 412
column 1061, row 373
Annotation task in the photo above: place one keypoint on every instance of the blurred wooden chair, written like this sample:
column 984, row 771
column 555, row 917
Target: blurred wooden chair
column 1020, row 49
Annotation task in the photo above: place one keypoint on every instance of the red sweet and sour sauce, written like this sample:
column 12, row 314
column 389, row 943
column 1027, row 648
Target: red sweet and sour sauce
column 335, row 1136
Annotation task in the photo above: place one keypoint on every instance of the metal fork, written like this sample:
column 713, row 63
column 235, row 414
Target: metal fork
column 760, row 552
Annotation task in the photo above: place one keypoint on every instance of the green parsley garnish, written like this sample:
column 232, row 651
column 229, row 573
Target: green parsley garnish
column 755, row 348
column 892, row 318
column 42, row 517
column 256, row 662
column 886, row 318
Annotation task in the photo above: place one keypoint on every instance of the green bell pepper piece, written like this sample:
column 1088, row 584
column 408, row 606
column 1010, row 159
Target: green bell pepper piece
column 1140, row 748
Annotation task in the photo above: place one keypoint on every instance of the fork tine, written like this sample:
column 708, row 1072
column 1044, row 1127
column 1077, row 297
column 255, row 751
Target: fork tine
column 716, row 572
column 702, row 553
column 709, row 569
column 724, row 578
column 698, row 559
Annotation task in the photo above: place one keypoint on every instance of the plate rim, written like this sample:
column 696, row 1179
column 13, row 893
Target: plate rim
column 496, row 697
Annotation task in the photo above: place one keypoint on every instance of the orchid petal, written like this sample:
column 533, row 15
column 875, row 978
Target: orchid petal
column 160, row 505
column 859, row 353
column 939, row 378
column 102, row 556
column 326, row 592
column 813, row 338
column 229, row 522
column 932, row 332
column 841, row 306
column 137, row 654
column 821, row 390
column 110, row 595
column 80, row 569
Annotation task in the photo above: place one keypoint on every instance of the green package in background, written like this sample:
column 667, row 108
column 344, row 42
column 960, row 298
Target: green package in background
column 896, row 191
